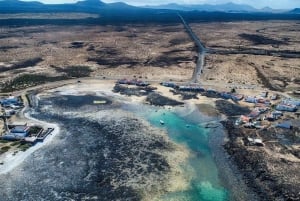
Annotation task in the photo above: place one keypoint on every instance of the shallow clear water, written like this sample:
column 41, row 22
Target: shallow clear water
column 205, row 184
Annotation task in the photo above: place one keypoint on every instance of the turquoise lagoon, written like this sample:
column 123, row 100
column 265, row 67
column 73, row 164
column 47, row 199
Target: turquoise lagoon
column 205, row 183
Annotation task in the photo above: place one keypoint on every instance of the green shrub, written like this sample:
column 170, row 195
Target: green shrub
column 28, row 80
column 4, row 149
column 75, row 71
column 24, row 147
column 15, row 143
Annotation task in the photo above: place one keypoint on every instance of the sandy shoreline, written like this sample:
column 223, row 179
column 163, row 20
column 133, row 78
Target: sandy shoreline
column 12, row 161
column 100, row 87
column 104, row 88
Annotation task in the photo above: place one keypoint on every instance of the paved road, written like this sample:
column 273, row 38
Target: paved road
column 200, row 49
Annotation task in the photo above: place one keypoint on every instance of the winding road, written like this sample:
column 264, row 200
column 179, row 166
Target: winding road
column 200, row 49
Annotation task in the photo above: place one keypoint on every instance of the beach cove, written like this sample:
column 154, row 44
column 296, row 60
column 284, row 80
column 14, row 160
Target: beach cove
column 173, row 161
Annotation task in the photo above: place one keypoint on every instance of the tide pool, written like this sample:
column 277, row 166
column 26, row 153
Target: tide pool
column 200, row 169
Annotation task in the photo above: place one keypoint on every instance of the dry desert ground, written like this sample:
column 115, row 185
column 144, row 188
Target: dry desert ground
column 154, row 52
column 257, row 53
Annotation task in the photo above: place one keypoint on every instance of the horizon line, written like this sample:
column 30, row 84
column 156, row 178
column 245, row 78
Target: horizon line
column 149, row 5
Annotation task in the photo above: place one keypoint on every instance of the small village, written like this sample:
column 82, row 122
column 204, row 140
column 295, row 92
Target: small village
column 267, row 110
column 150, row 100
column 18, row 134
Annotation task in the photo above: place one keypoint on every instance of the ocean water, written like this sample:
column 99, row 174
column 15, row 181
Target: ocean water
column 201, row 169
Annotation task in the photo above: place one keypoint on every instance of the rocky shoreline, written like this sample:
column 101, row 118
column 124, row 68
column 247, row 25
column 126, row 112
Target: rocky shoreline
column 229, row 171
column 96, row 155
column 250, row 166
column 269, row 171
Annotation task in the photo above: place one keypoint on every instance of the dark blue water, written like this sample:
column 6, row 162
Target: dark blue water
column 201, row 169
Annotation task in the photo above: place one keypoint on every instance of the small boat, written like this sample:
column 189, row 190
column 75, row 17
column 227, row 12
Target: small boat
column 161, row 122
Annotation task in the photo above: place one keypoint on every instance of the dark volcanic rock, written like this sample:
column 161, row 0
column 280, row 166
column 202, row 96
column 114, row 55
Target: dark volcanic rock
column 71, row 101
column 271, row 177
column 185, row 95
column 96, row 157
column 77, row 44
column 133, row 91
column 231, row 109
column 261, row 40
column 22, row 64
column 157, row 99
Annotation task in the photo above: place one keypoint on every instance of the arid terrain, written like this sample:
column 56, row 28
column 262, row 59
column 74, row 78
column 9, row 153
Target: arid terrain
column 158, row 52
column 249, row 56
column 258, row 53
column 241, row 54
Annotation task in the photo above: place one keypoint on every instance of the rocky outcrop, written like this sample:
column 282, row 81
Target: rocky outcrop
column 159, row 100
column 270, row 170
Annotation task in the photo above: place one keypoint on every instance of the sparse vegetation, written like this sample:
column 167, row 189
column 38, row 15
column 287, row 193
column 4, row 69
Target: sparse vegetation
column 160, row 100
column 260, row 39
column 231, row 109
column 15, row 143
column 130, row 50
column 22, row 64
column 4, row 149
column 75, row 71
column 113, row 63
column 28, row 80
column 24, row 147
column 77, row 44
column 34, row 130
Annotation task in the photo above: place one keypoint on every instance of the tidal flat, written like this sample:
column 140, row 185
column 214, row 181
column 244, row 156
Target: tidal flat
column 111, row 147
column 101, row 153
